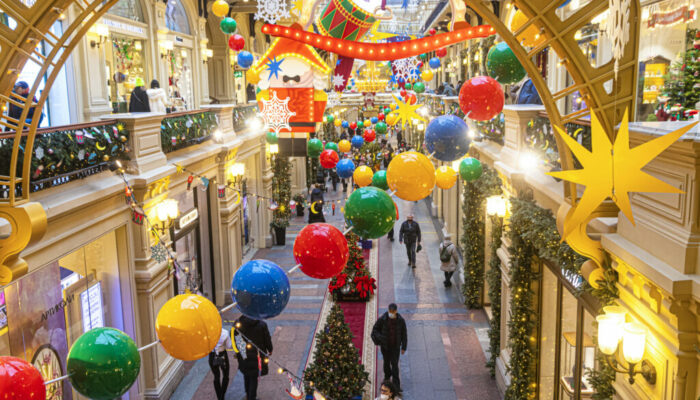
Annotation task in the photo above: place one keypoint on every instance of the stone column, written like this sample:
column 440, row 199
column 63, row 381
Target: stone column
column 229, row 237
column 144, row 142
column 298, row 174
column 224, row 113
column 201, row 65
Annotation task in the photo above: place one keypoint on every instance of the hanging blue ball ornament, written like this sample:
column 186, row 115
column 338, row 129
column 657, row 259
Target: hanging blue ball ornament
column 446, row 137
column 357, row 141
column 345, row 168
column 245, row 59
column 346, row 124
column 374, row 120
column 434, row 62
column 260, row 289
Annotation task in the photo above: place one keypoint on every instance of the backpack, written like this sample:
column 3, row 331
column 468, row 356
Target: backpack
column 445, row 254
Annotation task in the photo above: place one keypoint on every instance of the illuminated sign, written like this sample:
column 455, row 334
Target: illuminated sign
column 187, row 219
column 679, row 15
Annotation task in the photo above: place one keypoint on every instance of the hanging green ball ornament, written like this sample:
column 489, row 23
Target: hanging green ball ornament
column 423, row 56
column 332, row 146
column 470, row 169
column 379, row 180
column 228, row 25
column 387, row 110
column 103, row 363
column 503, row 66
column 407, row 86
column 380, row 127
column 419, row 87
column 330, row 118
column 370, row 212
column 272, row 137
column 314, row 147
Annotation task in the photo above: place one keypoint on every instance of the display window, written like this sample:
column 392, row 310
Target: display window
column 125, row 64
column 179, row 61
column 566, row 346
column 79, row 291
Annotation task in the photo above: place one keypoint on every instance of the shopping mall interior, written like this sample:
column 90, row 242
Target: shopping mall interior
column 350, row 199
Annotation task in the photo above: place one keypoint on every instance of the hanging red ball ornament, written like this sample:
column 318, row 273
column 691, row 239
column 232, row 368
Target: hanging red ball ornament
column 369, row 135
column 20, row 380
column 353, row 125
column 432, row 31
column 380, row 116
column 329, row 158
column 322, row 250
column 481, row 98
column 441, row 52
column 411, row 99
column 236, row 42
column 403, row 93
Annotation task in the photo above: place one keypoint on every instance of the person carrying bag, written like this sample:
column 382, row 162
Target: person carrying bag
column 449, row 259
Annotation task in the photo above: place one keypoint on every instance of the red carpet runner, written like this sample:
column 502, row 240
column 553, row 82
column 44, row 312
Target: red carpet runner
column 355, row 315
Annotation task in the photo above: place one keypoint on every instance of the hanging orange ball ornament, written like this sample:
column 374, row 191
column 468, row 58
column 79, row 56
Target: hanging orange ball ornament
column 445, row 177
column 531, row 37
column 363, row 176
column 220, row 8
column 411, row 175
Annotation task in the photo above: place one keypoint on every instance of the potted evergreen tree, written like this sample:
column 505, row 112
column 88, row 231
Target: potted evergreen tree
column 281, row 195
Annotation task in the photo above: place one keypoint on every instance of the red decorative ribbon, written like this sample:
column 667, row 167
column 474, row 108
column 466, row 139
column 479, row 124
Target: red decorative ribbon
column 379, row 51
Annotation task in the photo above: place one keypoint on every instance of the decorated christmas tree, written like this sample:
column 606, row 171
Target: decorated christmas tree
column 281, row 192
column 355, row 280
column 681, row 90
column 336, row 371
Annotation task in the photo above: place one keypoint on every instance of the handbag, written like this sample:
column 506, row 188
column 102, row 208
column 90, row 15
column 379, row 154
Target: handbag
column 419, row 248
column 218, row 360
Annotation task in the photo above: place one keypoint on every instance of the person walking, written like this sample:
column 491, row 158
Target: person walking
column 157, row 100
column 389, row 391
column 251, row 359
column 334, row 179
column 21, row 91
column 449, row 259
column 219, row 364
column 316, row 200
column 138, row 101
column 410, row 235
column 389, row 333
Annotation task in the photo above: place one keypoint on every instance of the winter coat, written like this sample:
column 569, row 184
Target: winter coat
column 257, row 333
column 139, row 101
column 451, row 265
column 380, row 332
column 157, row 100
column 410, row 232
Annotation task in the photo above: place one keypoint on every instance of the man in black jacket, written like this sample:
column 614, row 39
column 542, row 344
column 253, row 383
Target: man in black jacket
column 389, row 332
column 410, row 235
column 256, row 333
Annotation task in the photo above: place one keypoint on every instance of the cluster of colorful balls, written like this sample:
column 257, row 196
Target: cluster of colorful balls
column 236, row 42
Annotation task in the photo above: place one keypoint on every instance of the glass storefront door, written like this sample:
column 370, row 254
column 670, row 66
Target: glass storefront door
column 125, row 64
column 180, row 78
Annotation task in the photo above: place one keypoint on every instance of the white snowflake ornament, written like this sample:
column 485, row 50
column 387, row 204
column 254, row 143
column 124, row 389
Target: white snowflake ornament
column 338, row 80
column 276, row 113
column 272, row 10
column 618, row 28
column 407, row 68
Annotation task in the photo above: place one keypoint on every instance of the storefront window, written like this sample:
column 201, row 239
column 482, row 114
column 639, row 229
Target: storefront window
column 125, row 63
column 176, row 17
column 180, row 78
column 78, row 292
column 129, row 9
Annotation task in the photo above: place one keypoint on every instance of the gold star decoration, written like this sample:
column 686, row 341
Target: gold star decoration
column 298, row 6
column 406, row 112
column 613, row 170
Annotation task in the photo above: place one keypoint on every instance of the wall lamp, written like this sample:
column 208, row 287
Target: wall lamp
column 613, row 330
column 236, row 172
column 497, row 205
column 166, row 212
column 207, row 54
column 100, row 30
column 165, row 46
column 272, row 151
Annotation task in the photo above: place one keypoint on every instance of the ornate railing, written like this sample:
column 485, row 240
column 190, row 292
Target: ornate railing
column 242, row 114
column 184, row 129
column 540, row 138
column 66, row 153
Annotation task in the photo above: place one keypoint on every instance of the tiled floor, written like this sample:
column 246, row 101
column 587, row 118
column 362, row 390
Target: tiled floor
column 445, row 357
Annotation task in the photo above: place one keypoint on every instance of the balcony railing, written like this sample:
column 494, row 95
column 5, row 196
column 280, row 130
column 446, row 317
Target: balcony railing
column 540, row 137
column 241, row 114
column 66, row 153
column 184, row 129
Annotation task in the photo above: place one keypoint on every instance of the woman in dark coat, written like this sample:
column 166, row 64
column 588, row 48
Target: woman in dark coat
column 138, row 101
column 257, row 333
column 316, row 201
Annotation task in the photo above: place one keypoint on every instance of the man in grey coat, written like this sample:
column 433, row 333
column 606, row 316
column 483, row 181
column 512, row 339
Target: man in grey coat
column 449, row 259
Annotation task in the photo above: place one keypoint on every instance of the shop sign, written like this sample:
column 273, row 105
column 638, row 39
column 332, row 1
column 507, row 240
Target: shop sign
column 59, row 307
column 187, row 219
column 679, row 15
column 237, row 74
column 125, row 27
column 573, row 278
column 91, row 305
column 179, row 39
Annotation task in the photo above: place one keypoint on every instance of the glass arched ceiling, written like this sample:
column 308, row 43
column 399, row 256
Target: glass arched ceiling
column 130, row 9
column 176, row 17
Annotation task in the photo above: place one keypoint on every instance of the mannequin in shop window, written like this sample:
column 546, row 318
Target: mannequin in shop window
column 157, row 99
column 138, row 101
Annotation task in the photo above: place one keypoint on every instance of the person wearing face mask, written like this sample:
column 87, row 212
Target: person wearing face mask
column 389, row 333
column 389, row 391
column 410, row 235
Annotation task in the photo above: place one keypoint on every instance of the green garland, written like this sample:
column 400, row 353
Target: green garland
column 523, row 318
column 185, row 130
column 281, row 192
column 475, row 194
column 493, row 278
column 67, row 151
column 539, row 136
column 493, row 129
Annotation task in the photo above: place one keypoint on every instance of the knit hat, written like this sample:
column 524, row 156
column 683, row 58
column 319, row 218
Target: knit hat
column 139, row 82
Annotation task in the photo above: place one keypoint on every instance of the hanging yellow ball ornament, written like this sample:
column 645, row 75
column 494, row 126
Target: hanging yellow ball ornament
column 337, row 122
column 393, row 106
column 392, row 119
column 220, row 8
column 363, row 176
column 251, row 77
column 367, row 123
column 344, row 146
column 411, row 175
column 188, row 327
column 445, row 177
column 531, row 37
column 426, row 75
